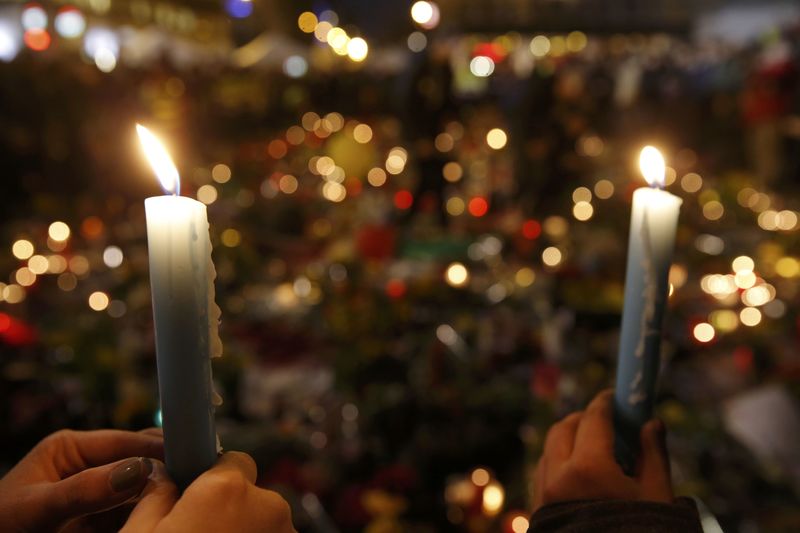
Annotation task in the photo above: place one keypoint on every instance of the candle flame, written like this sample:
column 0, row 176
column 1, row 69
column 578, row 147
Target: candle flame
column 651, row 163
column 159, row 159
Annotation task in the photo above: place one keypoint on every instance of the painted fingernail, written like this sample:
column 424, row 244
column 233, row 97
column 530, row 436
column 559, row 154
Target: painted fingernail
column 129, row 474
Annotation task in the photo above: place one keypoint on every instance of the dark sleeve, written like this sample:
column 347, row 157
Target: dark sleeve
column 618, row 516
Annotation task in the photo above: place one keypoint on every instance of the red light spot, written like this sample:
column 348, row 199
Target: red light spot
column 396, row 288
column 5, row 322
column 37, row 39
column 743, row 359
column 531, row 229
column 478, row 206
column 403, row 199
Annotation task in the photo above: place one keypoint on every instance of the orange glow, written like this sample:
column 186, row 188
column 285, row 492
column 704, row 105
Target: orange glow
column 478, row 206
column 37, row 40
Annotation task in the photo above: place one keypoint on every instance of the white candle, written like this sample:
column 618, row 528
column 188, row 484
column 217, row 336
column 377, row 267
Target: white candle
column 185, row 316
column 654, row 220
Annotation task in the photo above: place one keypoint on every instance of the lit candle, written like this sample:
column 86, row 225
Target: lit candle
column 654, row 220
column 185, row 316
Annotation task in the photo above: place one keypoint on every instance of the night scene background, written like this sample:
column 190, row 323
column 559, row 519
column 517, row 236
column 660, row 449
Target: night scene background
column 419, row 218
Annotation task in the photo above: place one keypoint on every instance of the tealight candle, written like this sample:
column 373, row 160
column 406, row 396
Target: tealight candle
column 185, row 316
column 654, row 220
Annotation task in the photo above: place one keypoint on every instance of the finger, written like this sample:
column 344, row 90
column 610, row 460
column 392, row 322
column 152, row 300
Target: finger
column 154, row 432
column 595, row 434
column 560, row 439
column 73, row 451
column 239, row 462
column 653, row 469
column 539, row 477
column 158, row 498
column 93, row 490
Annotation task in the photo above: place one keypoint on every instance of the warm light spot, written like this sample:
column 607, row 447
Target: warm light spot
column 37, row 39
column 743, row 263
column 307, row 21
column 691, row 182
column 769, row 220
column 556, row 226
column 758, row 295
column 481, row 477
column 478, row 206
column 395, row 288
column 333, row 191
column 221, row 173
column 98, row 301
column 787, row 220
column 207, row 194
column 321, row 31
column 525, row 277
column 709, row 244
column 452, row 171
column 724, row 320
column 112, row 256
column 159, row 160
column 671, row 290
column 551, row 256
column 703, row 332
column 583, row 211
column 581, row 194
column 745, row 279
column 576, row 41
column 277, row 149
column 444, row 142
column 455, row 206
column 376, row 177
column 395, row 164
column 79, row 265
column 25, row 277
column 496, row 138
column 67, row 281
column 750, row 316
column 338, row 40
column 362, row 133
column 309, row 120
column 423, row 13
column 787, row 267
column 357, row 49
column 231, row 238
column 38, row 264
column 539, row 46
column 403, row 199
column 13, row 293
column 531, row 229
column 713, row 210
column 22, row 249
column 493, row 498
column 520, row 524
column 651, row 164
column 58, row 231
column 457, row 275
column 481, row 66
column 287, row 184
column 295, row 135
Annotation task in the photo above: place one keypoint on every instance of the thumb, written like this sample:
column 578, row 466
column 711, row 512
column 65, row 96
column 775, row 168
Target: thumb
column 95, row 489
column 158, row 498
column 654, row 472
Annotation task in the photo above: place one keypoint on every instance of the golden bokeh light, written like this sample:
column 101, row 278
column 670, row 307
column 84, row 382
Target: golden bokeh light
column 221, row 173
column 207, row 194
column 583, row 211
column 581, row 194
column 452, row 171
column 98, row 301
column 362, row 133
column 750, row 316
column 455, row 206
column 38, row 264
column 58, row 231
column 496, row 138
column 457, row 275
column 288, row 184
column 703, row 332
column 551, row 256
column 22, row 249
column 481, row 477
column 307, row 22
column 376, row 177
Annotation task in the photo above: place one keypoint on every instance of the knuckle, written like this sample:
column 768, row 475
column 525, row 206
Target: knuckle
column 279, row 506
column 224, row 484
column 582, row 469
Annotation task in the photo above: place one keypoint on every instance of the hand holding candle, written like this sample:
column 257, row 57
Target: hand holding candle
column 185, row 316
column 654, row 220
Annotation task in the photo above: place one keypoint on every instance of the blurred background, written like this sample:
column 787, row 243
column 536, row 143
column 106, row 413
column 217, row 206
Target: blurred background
column 420, row 216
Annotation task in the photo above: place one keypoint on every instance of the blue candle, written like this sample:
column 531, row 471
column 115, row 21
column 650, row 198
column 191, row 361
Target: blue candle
column 185, row 317
column 654, row 220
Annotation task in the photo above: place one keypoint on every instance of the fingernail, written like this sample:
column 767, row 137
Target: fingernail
column 130, row 474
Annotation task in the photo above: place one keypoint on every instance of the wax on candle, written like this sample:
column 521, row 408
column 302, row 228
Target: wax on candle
column 186, row 320
column 654, row 220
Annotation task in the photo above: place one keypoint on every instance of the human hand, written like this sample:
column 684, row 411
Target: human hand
column 578, row 461
column 70, row 474
column 222, row 499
